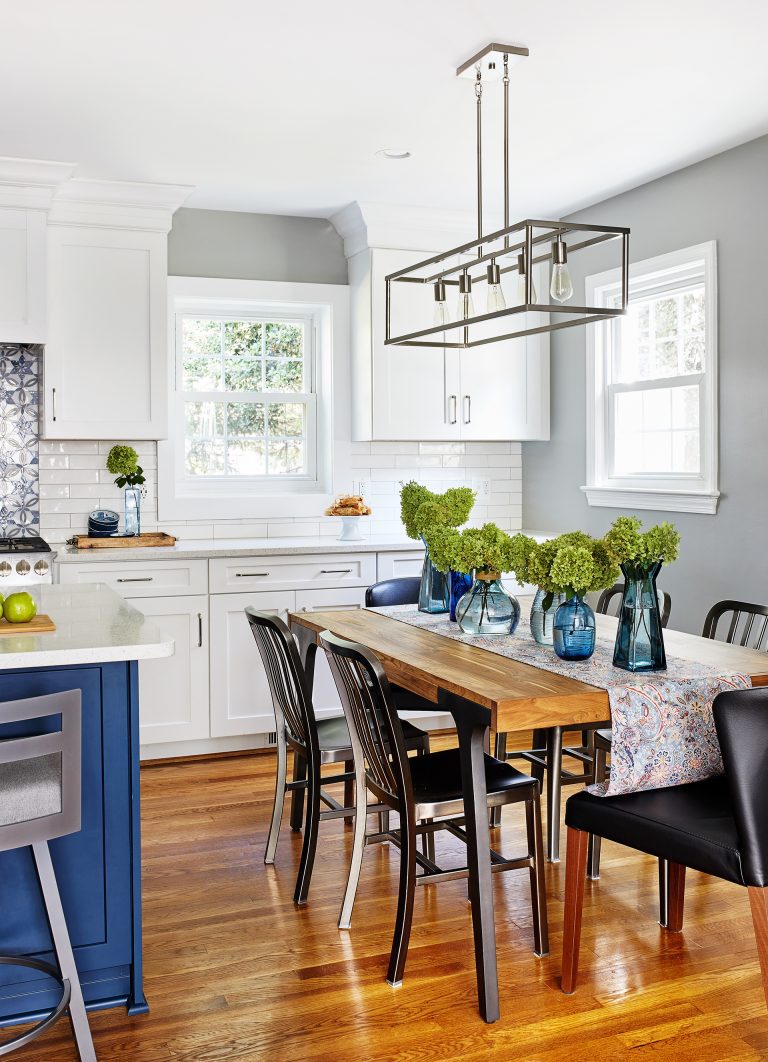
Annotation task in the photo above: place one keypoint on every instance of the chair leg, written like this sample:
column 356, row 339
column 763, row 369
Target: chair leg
column 500, row 752
column 405, row 897
column 539, row 742
column 358, row 848
column 297, row 796
column 63, row 948
column 349, row 789
column 309, row 846
column 575, row 867
column 758, row 901
column 538, row 885
column 428, row 841
column 277, row 810
column 554, row 786
column 595, row 842
column 676, row 881
column 664, row 866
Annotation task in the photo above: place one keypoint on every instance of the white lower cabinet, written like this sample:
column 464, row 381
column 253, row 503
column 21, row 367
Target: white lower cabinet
column 398, row 565
column 325, row 698
column 173, row 691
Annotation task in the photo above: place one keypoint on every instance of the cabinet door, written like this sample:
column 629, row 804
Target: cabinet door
column 105, row 361
column 324, row 695
column 240, row 699
column 173, row 691
column 22, row 276
column 397, row 565
column 412, row 386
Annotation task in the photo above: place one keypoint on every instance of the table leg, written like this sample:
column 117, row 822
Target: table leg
column 554, row 785
column 472, row 721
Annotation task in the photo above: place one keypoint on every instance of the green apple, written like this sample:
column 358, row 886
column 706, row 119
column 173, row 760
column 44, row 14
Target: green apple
column 19, row 608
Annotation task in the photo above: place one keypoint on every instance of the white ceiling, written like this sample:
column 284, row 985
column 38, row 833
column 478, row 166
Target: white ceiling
column 280, row 107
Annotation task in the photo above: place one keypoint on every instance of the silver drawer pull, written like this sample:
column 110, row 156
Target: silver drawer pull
column 250, row 575
column 137, row 579
column 335, row 571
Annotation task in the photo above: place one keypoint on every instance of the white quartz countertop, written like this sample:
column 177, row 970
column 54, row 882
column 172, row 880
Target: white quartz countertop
column 241, row 547
column 94, row 625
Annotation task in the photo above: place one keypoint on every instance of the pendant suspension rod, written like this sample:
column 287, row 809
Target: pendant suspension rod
column 506, row 147
column 479, row 111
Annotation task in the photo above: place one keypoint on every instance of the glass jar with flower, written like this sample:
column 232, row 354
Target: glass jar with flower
column 123, row 462
column 485, row 552
column 640, row 554
column 420, row 509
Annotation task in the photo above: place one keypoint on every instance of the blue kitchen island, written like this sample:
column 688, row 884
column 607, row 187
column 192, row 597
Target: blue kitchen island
column 98, row 641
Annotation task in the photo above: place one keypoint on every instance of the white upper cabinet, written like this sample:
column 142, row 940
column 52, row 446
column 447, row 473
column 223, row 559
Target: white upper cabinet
column 105, row 367
column 494, row 392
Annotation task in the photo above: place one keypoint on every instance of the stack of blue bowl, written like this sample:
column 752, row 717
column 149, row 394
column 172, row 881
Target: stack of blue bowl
column 102, row 523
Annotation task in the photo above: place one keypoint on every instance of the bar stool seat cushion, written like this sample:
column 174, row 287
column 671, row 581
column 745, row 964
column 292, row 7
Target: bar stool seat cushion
column 690, row 824
column 30, row 789
column 436, row 777
column 333, row 733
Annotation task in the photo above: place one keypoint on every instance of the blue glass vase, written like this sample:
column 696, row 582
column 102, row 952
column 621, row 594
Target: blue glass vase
column 487, row 608
column 639, row 638
column 460, row 583
column 434, row 589
column 573, row 632
column 543, row 620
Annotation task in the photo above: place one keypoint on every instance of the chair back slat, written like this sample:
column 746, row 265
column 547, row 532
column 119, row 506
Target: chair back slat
column 285, row 675
column 375, row 729
column 605, row 606
column 749, row 634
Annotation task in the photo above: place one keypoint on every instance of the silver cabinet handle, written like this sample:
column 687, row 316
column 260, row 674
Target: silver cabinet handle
column 137, row 579
column 451, row 409
column 53, row 402
column 199, row 630
column 251, row 575
column 467, row 408
column 335, row 571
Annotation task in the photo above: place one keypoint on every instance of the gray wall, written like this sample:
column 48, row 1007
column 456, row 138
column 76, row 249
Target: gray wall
column 223, row 243
column 724, row 198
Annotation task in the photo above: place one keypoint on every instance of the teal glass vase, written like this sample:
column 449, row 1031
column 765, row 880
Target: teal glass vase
column 487, row 608
column 639, row 637
column 573, row 632
column 543, row 620
column 434, row 589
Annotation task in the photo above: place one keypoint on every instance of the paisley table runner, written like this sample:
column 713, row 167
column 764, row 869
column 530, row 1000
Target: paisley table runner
column 663, row 730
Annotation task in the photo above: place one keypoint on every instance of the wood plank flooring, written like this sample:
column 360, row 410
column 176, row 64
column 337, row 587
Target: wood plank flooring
column 234, row 971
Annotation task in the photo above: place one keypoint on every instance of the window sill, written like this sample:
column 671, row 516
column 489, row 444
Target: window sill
column 673, row 501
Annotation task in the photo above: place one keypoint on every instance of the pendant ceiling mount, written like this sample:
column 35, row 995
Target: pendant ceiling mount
column 513, row 253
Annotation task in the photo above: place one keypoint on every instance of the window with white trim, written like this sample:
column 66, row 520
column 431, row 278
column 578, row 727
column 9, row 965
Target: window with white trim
column 652, row 386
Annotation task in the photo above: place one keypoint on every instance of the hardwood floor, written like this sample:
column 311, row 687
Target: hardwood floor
column 235, row 971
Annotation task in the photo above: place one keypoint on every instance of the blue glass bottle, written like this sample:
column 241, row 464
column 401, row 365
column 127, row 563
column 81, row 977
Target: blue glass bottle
column 639, row 637
column 434, row 589
column 487, row 608
column 460, row 583
column 574, row 630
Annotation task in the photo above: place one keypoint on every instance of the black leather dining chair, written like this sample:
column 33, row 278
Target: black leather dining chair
column 719, row 827
column 420, row 790
column 314, row 742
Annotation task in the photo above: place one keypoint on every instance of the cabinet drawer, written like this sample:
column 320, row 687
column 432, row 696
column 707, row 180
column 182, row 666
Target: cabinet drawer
column 245, row 574
column 137, row 579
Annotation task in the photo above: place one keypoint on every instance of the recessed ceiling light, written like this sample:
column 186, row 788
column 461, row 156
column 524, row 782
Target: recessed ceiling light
column 394, row 153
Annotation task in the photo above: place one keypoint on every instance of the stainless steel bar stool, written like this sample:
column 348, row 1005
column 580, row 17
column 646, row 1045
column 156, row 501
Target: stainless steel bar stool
column 40, row 799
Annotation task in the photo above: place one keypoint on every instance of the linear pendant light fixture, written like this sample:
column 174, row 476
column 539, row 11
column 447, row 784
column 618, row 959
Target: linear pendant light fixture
column 467, row 304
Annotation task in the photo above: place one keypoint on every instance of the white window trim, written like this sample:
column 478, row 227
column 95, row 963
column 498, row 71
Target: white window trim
column 328, row 305
column 650, row 492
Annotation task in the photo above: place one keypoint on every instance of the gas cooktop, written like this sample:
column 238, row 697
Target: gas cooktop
column 27, row 544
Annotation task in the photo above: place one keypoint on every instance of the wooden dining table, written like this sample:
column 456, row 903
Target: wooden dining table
column 486, row 692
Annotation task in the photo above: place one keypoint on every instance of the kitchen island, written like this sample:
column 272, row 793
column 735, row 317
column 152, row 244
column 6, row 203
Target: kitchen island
column 98, row 640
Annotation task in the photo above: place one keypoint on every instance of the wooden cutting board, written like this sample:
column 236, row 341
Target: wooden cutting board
column 39, row 625
column 151, row 538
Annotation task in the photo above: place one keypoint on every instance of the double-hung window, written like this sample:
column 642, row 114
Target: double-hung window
column 652, row 386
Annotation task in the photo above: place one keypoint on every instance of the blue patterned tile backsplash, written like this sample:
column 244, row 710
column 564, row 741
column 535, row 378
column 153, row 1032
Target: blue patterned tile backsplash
column 19, row 439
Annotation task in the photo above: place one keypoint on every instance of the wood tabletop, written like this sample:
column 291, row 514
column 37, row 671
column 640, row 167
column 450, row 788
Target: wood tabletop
column 519, row 695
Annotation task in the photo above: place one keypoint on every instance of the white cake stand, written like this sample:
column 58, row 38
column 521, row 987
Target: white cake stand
column 350, row 529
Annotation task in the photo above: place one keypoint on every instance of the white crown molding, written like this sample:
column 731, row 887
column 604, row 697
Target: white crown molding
column 408, row 228
column 118, row 204
column 31, row 183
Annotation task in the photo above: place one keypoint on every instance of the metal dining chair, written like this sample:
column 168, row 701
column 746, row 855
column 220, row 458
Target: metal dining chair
column 314, row 742
column 742, row 629
column 420, row 790
column 718, row 826
column 40, row 800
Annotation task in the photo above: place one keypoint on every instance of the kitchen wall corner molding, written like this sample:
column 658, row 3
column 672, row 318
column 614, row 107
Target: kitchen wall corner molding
column 118, row 204
column 31, row 183
column 405, row 228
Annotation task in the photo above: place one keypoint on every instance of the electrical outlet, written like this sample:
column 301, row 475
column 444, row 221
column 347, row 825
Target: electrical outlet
column 363, row 487
column 481, row 485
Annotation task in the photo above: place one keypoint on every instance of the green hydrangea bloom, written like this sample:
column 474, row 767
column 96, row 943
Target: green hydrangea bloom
column 421, row 508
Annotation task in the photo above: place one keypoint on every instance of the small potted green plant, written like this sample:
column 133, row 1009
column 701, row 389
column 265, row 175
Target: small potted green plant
column 123, row 462
column 640, row 554
column 485, row 552
column 420, row 509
